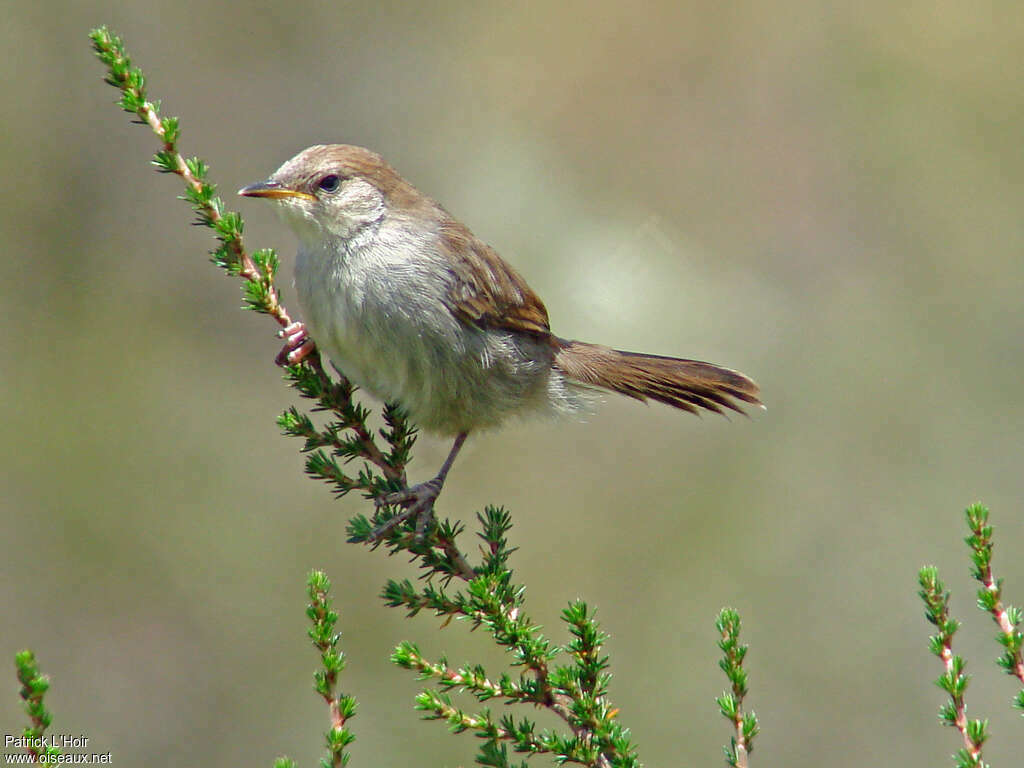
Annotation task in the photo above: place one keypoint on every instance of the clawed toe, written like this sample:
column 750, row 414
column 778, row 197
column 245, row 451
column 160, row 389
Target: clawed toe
column 297, row 346
column 418, row 502
column 417, row 495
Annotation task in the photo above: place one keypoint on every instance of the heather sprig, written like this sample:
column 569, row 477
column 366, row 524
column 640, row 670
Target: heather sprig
column 34, row 685
column 730, row 703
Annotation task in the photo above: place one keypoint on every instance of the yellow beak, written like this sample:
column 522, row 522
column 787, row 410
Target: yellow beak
column 273, row 191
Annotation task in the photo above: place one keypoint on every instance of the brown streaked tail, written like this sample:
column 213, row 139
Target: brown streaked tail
column 684, row 384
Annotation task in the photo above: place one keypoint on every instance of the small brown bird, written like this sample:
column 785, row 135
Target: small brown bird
column 412, row 307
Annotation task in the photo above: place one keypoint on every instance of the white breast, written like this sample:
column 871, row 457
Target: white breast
column 382, row 319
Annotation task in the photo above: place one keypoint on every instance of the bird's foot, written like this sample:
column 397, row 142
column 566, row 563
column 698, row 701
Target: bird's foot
column 418, row 501
column 297, row 345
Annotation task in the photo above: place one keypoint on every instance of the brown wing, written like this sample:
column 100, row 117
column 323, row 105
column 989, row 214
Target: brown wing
column 486, row 291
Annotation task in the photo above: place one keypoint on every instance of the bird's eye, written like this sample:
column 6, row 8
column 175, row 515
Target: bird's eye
column 329, row 183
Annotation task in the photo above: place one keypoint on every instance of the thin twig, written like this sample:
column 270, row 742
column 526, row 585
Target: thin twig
column 990, row 596
column 953, row 680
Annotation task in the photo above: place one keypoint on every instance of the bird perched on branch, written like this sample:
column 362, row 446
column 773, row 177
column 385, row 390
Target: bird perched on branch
column 413, row 308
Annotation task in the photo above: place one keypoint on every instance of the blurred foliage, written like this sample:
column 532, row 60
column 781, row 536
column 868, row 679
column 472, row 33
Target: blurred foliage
column 974, row 732
column 827, row 197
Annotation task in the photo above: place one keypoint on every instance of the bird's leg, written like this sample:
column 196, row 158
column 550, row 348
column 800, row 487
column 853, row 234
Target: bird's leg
column 419, row 499
column 297, row 345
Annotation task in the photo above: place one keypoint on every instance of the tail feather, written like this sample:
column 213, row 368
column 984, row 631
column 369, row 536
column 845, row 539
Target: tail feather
column 685, row 384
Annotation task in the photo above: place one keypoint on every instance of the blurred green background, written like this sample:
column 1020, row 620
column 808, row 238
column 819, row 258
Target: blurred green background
column 826, row 196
